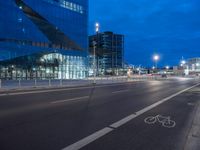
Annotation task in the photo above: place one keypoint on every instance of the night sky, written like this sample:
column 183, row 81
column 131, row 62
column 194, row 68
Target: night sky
column 170, row 28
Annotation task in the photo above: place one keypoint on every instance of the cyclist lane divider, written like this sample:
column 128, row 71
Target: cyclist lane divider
column 98, row 134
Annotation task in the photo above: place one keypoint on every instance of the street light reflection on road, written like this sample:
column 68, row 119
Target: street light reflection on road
column 183, row 79
column 155, row 82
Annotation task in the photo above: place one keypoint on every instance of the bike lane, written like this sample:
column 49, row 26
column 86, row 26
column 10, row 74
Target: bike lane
column 155, row 133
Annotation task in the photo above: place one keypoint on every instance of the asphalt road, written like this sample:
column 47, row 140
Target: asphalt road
column 103, row 117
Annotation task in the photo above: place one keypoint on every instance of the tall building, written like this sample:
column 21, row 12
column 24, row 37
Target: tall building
column 43, row 39
column 109, row 52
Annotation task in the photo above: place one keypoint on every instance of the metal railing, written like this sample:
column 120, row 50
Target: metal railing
column 16, row 84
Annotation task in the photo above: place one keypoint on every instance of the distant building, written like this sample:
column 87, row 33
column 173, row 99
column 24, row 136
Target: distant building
column 193, row 65
column 189, row 67
column 109, row 53
column 178, row 70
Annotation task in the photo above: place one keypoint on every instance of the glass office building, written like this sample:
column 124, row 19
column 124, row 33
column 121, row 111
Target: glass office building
column 43, row 39
column 109, row 53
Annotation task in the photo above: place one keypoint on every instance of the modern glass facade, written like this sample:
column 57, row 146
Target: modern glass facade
column 109, row 52
column 43, row 39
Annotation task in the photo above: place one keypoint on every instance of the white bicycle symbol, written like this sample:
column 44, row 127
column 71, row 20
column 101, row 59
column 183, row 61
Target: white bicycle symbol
column 165, row 121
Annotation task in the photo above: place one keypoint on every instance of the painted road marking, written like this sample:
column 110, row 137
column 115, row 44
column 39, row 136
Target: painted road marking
column 123, row 121
column 72, row 99
column 121, row 91
column 164, row 121
column 87, row 140
column 55, row 90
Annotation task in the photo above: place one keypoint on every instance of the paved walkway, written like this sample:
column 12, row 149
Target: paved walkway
column 193, row 141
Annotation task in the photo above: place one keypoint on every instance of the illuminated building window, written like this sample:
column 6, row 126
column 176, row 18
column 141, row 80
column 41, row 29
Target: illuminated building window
column 68, row 5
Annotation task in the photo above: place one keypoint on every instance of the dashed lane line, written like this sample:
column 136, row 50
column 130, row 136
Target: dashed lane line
column 72, row 99
column 121, row 91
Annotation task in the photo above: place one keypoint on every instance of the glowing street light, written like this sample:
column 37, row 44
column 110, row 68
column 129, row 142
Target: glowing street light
column 183, row 62
column 156, row 58
column 97, row 27
column 167, row 67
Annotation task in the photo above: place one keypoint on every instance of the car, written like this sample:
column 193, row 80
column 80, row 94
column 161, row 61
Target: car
column 164, row 76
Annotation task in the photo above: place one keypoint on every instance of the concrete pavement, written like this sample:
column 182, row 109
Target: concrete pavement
column 193, row 139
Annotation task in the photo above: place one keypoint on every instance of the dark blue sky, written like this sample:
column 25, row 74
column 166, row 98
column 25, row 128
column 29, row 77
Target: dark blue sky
column 170, row 28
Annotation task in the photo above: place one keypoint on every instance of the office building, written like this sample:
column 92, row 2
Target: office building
column 109, row 53
column 43, row 39
column 192, row 66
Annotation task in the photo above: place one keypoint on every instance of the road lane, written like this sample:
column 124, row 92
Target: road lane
column 140, row 135
column 30, row 99
column 97, row 135
column 45, row 126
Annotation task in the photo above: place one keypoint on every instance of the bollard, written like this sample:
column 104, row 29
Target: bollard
column 49, row 82
column 0, row 83
column 19, row 83
column 61, row 83
column 35, row 82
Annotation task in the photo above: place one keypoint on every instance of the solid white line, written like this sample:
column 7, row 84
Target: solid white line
column 72, row 99
column 123, row 121
column 78, row 145
column 121, row 91
column 88, row 139
column 132, row 116
column 55, row 90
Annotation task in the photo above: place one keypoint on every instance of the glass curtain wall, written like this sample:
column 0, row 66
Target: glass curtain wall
column 43, row 39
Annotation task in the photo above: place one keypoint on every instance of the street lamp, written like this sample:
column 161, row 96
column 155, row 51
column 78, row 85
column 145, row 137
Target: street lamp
column 94, row 61
column 156, row 58
column 94, row 49
column 167, row 67
column 183, row 62
column 97, row 27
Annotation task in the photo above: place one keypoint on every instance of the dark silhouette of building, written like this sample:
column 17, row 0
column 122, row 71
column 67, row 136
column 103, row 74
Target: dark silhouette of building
column 109, row 53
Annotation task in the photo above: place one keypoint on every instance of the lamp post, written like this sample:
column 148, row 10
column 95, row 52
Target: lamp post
column 183, row 62
column 156, row 58
column 94, row 61
column 97, row 27
column 94, row 50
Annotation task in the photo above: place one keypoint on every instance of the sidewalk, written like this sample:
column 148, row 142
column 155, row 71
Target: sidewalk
column 46, row 84
column 193, row 141
column 41, row 84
